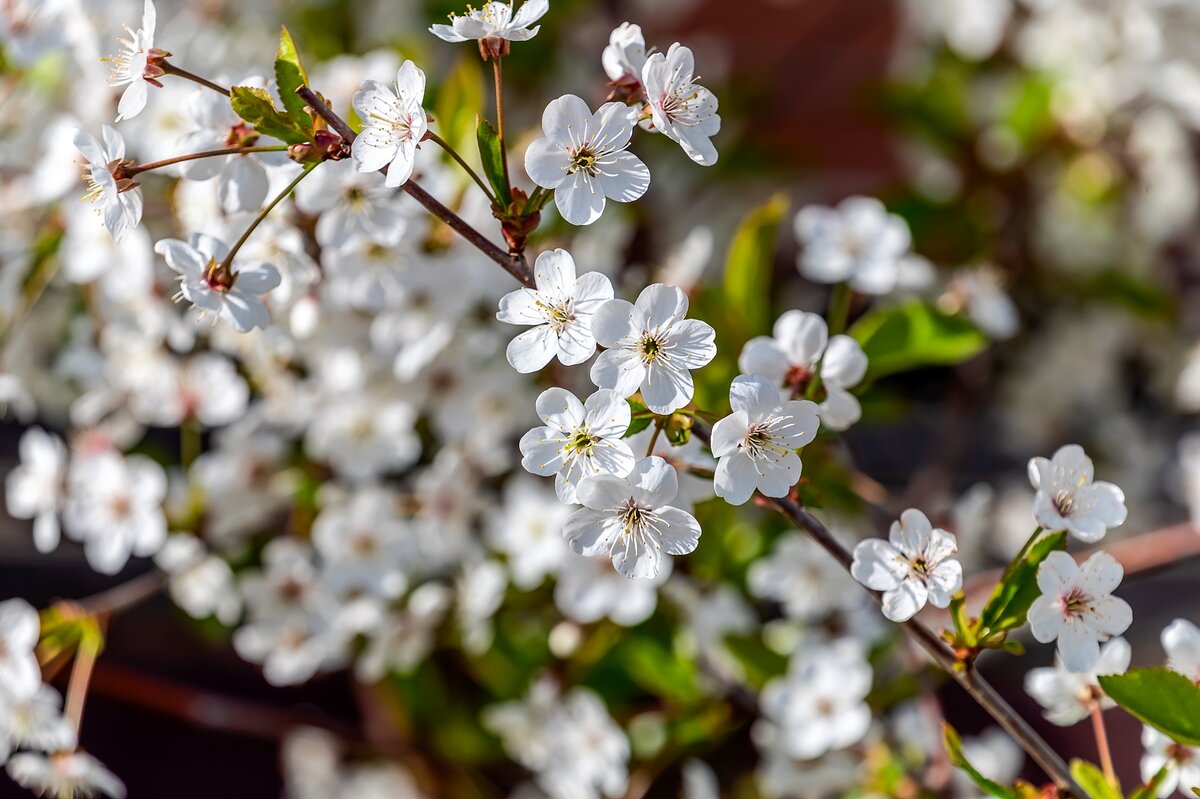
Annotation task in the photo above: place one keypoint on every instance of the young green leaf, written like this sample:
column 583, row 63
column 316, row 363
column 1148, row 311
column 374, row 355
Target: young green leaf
column 1150, row 789
column 1093, row 781
column 289, row 76
column 747, row 285
column 913, row 335
column 1166, row 700
column 256, row 107
column 492, row 156
column 1010, row 600
column 957, row 757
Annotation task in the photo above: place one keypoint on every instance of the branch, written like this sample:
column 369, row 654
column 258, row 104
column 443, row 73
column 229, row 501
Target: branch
column 514, row 263
column 125, row 595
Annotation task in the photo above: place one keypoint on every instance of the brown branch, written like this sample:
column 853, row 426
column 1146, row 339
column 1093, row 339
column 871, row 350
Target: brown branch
column 126, row 595
column 512, row 262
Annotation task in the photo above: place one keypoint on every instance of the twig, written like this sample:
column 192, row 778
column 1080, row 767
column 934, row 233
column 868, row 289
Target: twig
column 171, row 69
column 1102, row 748
column 513, row 263
column 137, row 169
column 125, row 595
column 237, row 245
column 440, row 142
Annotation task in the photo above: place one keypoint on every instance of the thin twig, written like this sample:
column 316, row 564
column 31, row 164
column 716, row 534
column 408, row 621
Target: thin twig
column 513, row 263
column 171, row 69
column 237, row 245
column 1102, row 747
column 137, row 169
column 81, row 676
column 440, row 142
column 496, row 73
column 125, row 595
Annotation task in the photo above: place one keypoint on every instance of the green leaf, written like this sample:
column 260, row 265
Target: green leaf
column 958, row 758
column 1166, row 700
column 1093, row 782
column 289, row 76
column 1010, row 600
column 748, row 267
column 256, row 107
column 640, row 416
column 657, row 670
column 913, row 335
column 491, row 155
column 1150, row 789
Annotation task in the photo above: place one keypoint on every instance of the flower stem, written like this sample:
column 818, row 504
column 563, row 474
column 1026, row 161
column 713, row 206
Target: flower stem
column 839, row 307
column 237, row 245
column 498, row 79
column 171, row 69
column 1102, row 747
column 440, row 142
column 659, row 424
column 81, row 675
column 137, row 169
column 514, row 264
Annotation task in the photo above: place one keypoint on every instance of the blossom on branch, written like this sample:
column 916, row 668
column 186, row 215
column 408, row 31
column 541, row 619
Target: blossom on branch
column 393, row 125
column 914, row 566
column 1077, row 608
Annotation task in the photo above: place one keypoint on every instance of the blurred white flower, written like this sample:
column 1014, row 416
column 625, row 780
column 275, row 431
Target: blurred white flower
column 625, row 54
column 914, row 566
column 1182, row 763
column 799, row 349
column 1068, row 499
column 128, row 67
column 1181, row 640
column 995, row 755
column 114, row 507
column 19, row 631
column 119, row 201
column 64, row 775
column 1067, row 696
column 33, row 721
column 681, row 109
column 351, row 207
column 393, row 125
column 858, row 242
column 480, row 590
column 364, row 545
column 1077, row 608
column 528, row 531
column 756, row 444
column 495, row 20
column 651, row 346
column 801, row 576
column 630, row 519
column 232, row 294
column 578, row 439
column 589, row 589
column 405, row 636
column 35, row 488
column 560, row 310
column 583, row 158
column 200, row 583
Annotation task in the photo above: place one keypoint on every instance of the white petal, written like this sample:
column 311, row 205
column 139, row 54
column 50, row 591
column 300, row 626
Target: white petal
column 619, row 370
column 654, row 482
column 533, row 349
column 736, row 478
column 546, row 163
column 607, row 414
column 560, row 409
column 616, row 320
column 578, row 200
column 878, row 565
column 902, row 602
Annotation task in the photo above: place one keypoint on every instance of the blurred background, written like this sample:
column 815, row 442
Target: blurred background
column 1043, row 153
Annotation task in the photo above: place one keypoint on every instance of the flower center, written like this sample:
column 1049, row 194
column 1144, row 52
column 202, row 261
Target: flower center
column 635, row 518
column 797, row 378
column 584, row 159
column 581, row 442
column 363, row 544
column 558, row 314
column 920, row 567
column 761, row 439
column 1076, row 602
column 651, row 346
column 218, row 277
column 1064, row 502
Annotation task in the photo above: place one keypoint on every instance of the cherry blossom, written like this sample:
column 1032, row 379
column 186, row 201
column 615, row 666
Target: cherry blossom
column 1077, row 608
column 1067, row 696
column 578, row 439
column 19, row 630
column 584, row 159
column 128, row 67
column 560, row 309
column 36, row 488
column 756, row 445
column 858, row 242
column 1068, row 499
column 681, row 109
column 1182, row 762
column 393, row 125
column 914, row 566
column 115, row 508
column 119, row 200
column 65, row 774
column 651, row 346
column 33, row 721
column 1181, row 640
column 495, row 20
column 630, row 519
column 231, row 293
column 625, row 54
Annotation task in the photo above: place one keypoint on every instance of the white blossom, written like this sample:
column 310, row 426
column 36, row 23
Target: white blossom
column 756, row 444
column 583, row 158
column 114, row 508
column 35, row 489
column 1067, row 696
column 560, row 310
column 128, row 67
column 681, row 109
column 393, row 125
column 64, row 775
column 589, row 589
column 1077, row 608
column 625, row 54
column 33, row 721
column 803, row 578
column 232, row 294
column 630, row 519
column 495, row 20
column 528, row 530
column 1182, row 763
column 119, row 202
column 858, row 242
column 1181, row 640
column 651, row 346
column 914, row 566
column 200, row 583
column 1068, row 499
column 19, row 631
column 578, row 439
column 800, row 349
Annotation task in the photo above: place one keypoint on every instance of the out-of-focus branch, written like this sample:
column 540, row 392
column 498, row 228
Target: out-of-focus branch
column 513, row 263
column 125, row 595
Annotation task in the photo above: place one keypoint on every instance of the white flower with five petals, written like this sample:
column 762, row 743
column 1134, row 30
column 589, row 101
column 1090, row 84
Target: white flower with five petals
column 35, row 489
column 583, row 158
column 801, row 348
column 651, row 346
column 119, row 201
column 231, row 294
column 1067, row 696
column 579, row 439
column 914, row 566
column 128, row 67
column 393, row 125
column 1069, row 499
column 630, row 519
column 681, row 109
column 756, row 444
column 859, row 242
column 494, row 21
column 560, row 310
column 1077, row 608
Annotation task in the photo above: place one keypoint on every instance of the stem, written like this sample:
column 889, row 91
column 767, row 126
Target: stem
column 839, row 307
column 237, row 245
column 1102, row 744
column 137, row 169
column 496, row 74
column 125, row 595
column 515, row 265
column 190, row 443
column 81, row 675
column 171, row 69
column 440, row 142
column 658, row 427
